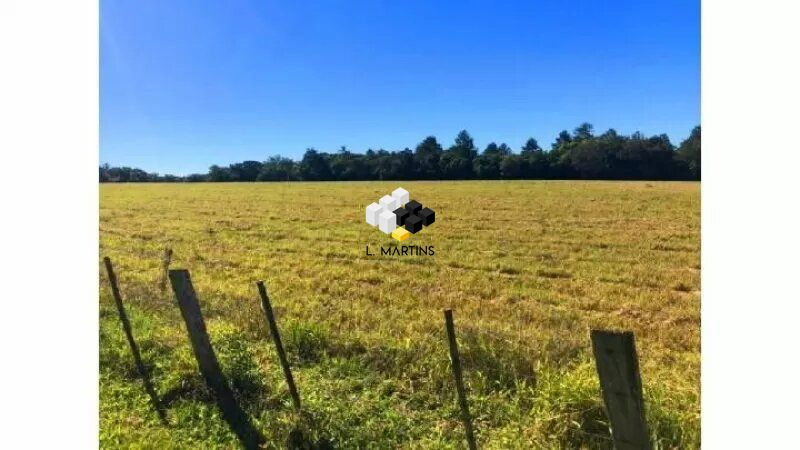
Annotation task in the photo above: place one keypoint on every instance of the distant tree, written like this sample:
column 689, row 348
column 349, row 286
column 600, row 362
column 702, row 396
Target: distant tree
column 139, row 176
column 642, row 158
column 245, row 171
column 383, row 165
column 531, row 146
column 104, row 173
column 513, row 167
column 689, row 153
column 196, row 178
column 488, row 165
column 464, row 142
column 611, row 156
column 577, row 155
column 562, row 140
column 588, row 158
column 455, row 166
column 609, row 135
column 112, row 174
column 217, row 173
column 346, row 165
column 534, row 161
column 485, row 165
column 456, row 162
column 314, row 166
column 405, row 164
column 659, row 160
column 277, row 168
column 558, row 166
column 426, row 159
column 565, row 156
column 583, row 132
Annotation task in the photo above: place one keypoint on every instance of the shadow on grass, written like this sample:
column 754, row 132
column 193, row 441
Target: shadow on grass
column 298, row 441
column 589, row 429
column 501, row 363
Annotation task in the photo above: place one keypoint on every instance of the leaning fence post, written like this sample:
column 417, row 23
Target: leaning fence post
column 137, row 357
column 276, row 337
column 618, row 369
column 207, row 360
column 462, row 394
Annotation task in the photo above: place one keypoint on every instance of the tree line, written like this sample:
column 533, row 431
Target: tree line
column 577, row 155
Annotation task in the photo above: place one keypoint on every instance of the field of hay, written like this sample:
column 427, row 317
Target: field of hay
column 528, row 267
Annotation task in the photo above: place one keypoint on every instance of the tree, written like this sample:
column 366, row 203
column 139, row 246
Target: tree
column 455, row 166
column 587, row 158
column 689, row 153
column 314, row 166
column 557, row 160
column 456, row 162
column 577, row 155
column 196, row 178
column 488, row 165
column 277, row 168
column 217, row 173
column 531, row 146
column 562, row 140
column 405, row 164
column 533, row 161
column 610, row 135
column 465, row 144
column 346, row 165
column 513, row 167
column 245, row 171
column 583, row 132
column 485, row 165
column 426, row 159
column 104, row 173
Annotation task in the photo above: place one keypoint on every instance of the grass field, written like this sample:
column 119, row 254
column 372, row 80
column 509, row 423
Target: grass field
column 528, row 267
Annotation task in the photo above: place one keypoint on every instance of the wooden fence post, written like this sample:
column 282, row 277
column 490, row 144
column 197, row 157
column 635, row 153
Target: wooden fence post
column 276, row 338
column 207, row 360
column 165, row 262
column 618, row 369
column 462, row 394
column 137, row 357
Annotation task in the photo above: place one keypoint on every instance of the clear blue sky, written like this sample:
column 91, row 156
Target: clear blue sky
column 186, row 84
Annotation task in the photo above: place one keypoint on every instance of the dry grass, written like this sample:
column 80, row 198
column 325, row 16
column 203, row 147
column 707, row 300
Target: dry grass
column 528, row 267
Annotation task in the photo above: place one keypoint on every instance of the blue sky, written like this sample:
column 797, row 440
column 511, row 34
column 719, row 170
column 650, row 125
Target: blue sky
column 186, row 84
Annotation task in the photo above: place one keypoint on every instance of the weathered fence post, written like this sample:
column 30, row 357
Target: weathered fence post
column 165, row 262
column 462, row 394
column 207, row 360
column 276, row 337
column 137, row 357
column 618, row 369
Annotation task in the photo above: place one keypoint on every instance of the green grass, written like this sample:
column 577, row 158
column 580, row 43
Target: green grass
column 528, row 267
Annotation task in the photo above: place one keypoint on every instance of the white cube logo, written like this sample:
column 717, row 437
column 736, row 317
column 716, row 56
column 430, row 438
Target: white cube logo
column 401, row 195
column 389, row 203
column 387, row 221
column 373, row 211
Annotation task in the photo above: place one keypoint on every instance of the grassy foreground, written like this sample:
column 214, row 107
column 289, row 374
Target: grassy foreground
column 528, row 267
